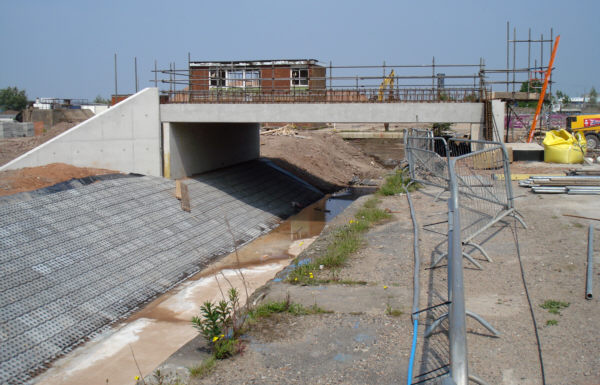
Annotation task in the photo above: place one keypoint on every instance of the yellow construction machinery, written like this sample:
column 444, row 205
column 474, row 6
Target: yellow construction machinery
column 588, row 125
column 388, row 83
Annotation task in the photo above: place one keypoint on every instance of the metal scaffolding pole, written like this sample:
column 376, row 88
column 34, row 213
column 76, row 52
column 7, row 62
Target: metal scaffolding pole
column 116, row 90
column 507, row 51
column 136, row 74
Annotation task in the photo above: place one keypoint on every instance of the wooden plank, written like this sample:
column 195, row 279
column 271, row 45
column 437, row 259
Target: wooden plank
column 185, row 198
column 178, row 189
column 580, row 217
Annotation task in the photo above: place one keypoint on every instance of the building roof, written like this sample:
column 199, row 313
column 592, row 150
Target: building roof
column 254, row 63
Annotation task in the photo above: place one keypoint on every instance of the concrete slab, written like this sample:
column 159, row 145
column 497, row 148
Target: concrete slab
column 75, row 261
column 526, row 151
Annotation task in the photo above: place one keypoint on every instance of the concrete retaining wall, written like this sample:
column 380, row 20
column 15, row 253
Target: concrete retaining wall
column 123, row 138
column 15, row 129
column 193, row 148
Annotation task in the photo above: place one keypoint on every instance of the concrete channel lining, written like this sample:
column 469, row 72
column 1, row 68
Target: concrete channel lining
column 75, row 261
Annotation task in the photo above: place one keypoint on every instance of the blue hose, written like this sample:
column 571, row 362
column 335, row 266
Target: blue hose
column 413, row 349
column 415, row 306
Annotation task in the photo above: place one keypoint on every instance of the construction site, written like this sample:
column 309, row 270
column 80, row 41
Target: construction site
column 289, row 221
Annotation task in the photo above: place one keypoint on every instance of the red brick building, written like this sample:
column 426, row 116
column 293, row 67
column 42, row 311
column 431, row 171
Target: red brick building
column 256, row 80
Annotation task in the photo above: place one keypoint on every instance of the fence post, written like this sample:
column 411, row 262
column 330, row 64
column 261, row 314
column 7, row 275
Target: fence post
column 457, row 312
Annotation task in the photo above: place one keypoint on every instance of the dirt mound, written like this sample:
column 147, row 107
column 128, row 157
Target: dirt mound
column 321, row 158
column 33, row 178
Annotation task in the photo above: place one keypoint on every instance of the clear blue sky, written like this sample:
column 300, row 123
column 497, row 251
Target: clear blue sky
column 65, row 48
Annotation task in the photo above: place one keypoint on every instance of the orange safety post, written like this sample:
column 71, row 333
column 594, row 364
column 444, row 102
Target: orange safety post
column 541, row 101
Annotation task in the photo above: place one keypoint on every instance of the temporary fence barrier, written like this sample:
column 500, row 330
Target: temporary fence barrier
column 485, row 198
column 425, row 163
column 478, row 199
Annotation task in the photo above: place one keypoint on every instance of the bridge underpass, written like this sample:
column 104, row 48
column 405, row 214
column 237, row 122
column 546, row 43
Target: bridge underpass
column 140, row 135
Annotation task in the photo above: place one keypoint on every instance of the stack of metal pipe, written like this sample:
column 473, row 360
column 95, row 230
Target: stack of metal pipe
column 573, row 185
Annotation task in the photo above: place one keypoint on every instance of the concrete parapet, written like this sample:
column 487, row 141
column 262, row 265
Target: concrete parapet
column 124, row 138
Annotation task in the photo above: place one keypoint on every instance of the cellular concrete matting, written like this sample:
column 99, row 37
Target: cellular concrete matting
column 74, row 261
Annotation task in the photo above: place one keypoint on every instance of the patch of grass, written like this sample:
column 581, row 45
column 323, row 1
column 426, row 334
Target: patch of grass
column 205, row 367
column 389, row 310
column 368, row 216
column 577, row 225
column 345, row 241
column 397, row 184
column 551, row 322
column 554, row 307
column 267, row 309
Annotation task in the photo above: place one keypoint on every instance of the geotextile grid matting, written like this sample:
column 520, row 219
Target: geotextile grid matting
column 74, row 261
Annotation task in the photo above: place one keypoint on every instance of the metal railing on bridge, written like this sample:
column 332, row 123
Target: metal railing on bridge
column 323, row 83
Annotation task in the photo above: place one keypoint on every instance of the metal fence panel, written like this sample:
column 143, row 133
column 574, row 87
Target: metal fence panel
column 426, row 165
column 483, row 183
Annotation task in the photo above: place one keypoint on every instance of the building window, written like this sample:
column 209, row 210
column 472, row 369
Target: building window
column 217, row 78
column 241, row 78
column 235, row 78
column 299, row 76
column 252, row 78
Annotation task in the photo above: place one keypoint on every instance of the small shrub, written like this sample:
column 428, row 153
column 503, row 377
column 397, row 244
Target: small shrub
column 224, row 348
column 215, row 318
column 551, row 322
column 215, row 323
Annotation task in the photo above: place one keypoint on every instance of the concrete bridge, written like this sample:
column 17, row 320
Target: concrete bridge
column 140, row 135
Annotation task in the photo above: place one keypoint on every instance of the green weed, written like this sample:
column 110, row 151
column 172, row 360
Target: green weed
column 345, row 241
column 551, row 322
column 397, row 183
column 204, row 368
column 266, row 310
column 392, row 312
column 554, row 307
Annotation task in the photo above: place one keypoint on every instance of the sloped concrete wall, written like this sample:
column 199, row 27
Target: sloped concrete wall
column 123, row 138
